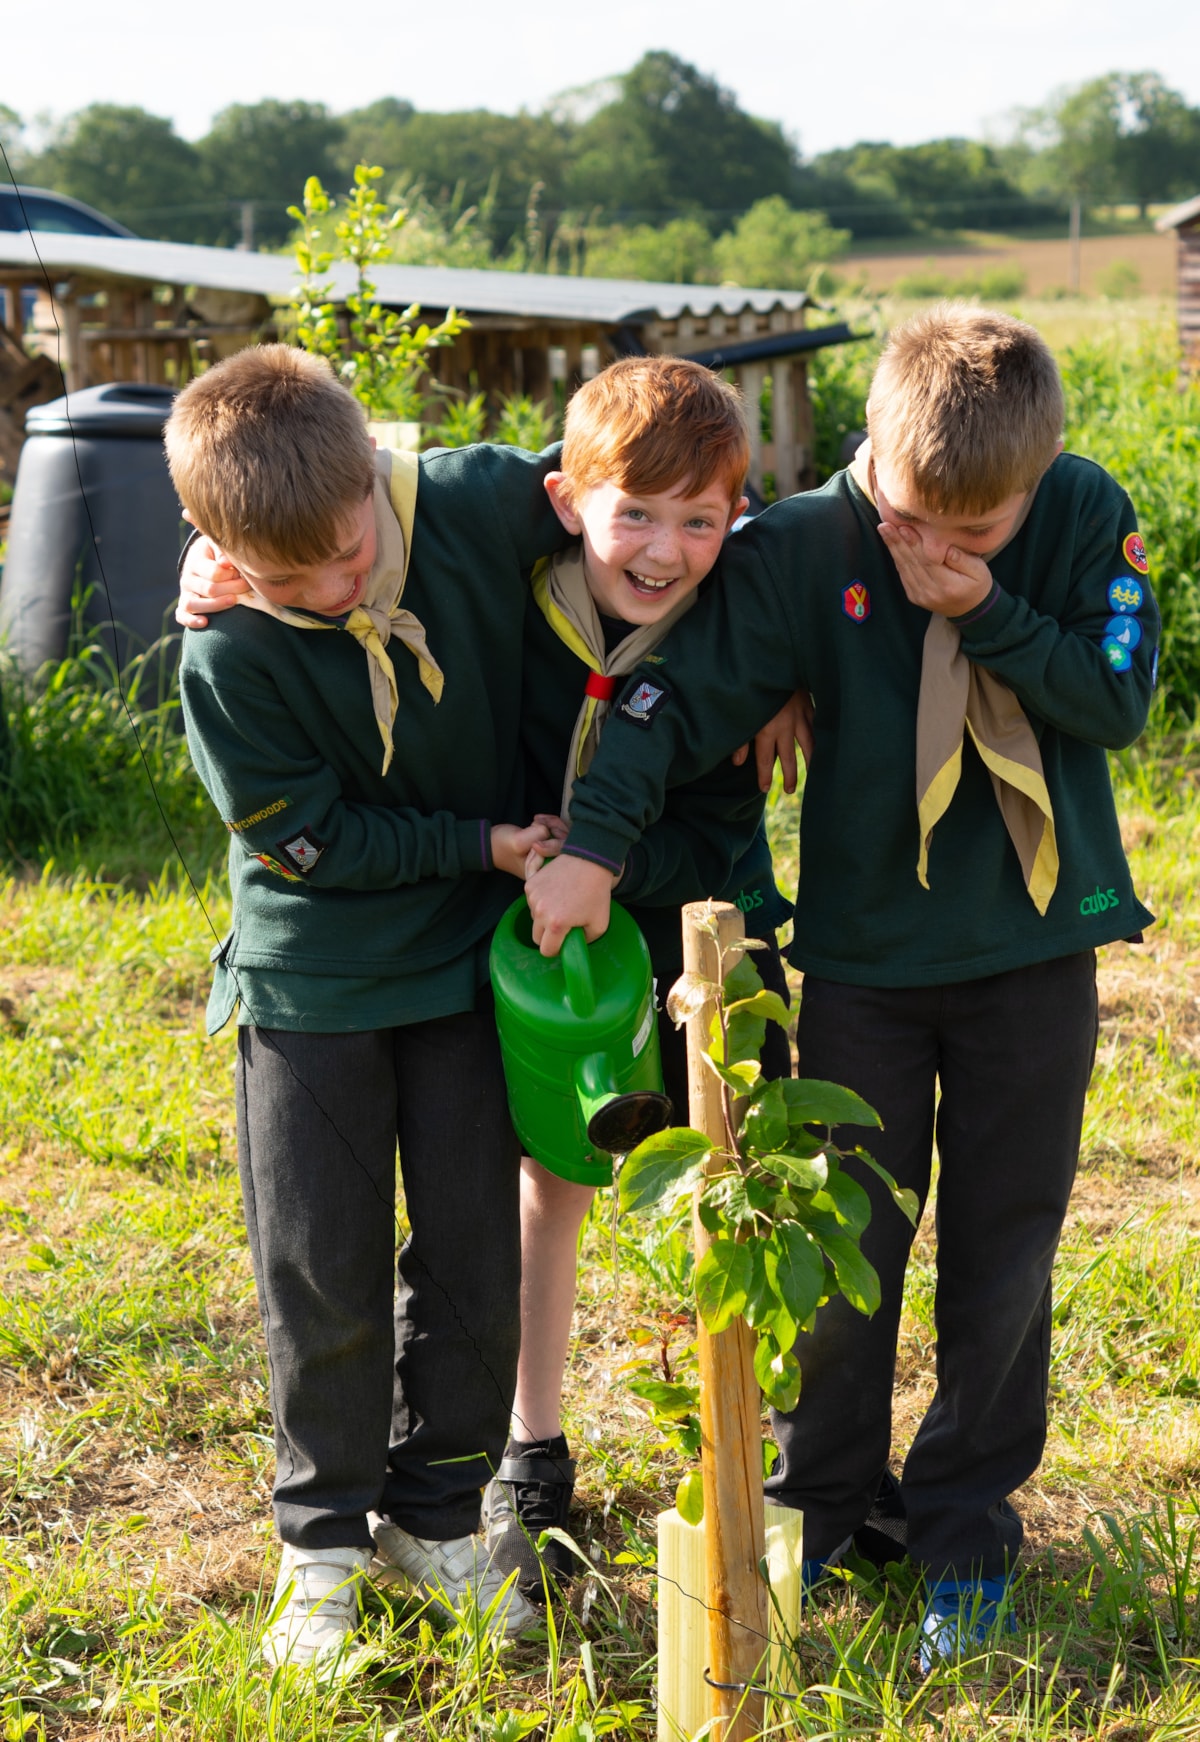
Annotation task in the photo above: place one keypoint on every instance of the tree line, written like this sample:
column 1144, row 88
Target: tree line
column 657, row 173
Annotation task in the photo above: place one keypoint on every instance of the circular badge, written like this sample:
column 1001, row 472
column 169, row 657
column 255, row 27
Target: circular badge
column 1135, row 553
column 1125, row 631
column 1125, row 594
column 1118, row 657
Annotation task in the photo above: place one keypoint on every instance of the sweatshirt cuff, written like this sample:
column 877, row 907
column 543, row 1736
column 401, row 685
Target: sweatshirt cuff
column 988, row 620
column 598, row 847
column 634, row 873
column 475, row 844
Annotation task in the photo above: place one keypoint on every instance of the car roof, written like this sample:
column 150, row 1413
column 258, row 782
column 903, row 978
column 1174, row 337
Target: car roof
column 41, row 209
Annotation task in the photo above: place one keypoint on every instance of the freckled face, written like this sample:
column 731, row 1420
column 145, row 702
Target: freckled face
column 642, row 553
column 330, row 588
column 979, row 534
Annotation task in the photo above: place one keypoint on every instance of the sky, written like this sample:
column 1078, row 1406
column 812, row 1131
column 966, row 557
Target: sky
column 898, row 70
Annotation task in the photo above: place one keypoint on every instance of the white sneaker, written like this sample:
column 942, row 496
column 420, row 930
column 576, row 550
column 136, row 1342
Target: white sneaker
column 315, row 1604
column 448, row 1573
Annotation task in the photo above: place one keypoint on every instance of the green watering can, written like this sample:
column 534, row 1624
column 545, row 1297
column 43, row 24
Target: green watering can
column 580, row 1044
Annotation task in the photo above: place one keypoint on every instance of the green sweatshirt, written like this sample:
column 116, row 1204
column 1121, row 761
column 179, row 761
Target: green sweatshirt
column 362, row 900
column 710, row 839
column 808, row 597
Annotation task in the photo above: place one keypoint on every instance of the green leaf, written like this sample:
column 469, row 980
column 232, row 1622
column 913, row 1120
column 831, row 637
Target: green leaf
column 670, row 1161
column 778, row 1374
column 764, row 1311
column 809, row 1173
column 722, row 1277
column 688, row 996
column 765, row 1125
column 768, row 1005
column 743, row 980
column 811, row 1102
column 689, row 1498
column 905, row 1201
column 857, row 1279
column 672, row 1401
column 743, row 1078
column 746, row 1031
column 847, row 1199
column 795, row 1269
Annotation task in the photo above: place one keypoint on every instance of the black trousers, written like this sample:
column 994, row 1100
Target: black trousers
column 1011, row 1055
column 405, row 1416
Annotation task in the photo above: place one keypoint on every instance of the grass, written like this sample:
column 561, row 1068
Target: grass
column 135, row 1451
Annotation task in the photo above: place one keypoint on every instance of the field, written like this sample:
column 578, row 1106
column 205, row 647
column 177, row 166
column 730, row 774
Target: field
column 134, row 1438
column 1044, row 263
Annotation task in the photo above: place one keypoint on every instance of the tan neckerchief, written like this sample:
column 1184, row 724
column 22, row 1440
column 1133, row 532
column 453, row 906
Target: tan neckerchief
column 958, row 696
column 379, row 616
column 561, row 592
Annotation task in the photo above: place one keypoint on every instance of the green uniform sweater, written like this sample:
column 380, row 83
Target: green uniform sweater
column 710, row 839
column 809, row 597
column 363, row 900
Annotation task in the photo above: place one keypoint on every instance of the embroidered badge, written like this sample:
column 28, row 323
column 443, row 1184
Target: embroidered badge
column 303, row 850
column 270, row 810
column 1099, row 901
column 1135, row 553
column 1118, row 657
column 279, row 870
column 643, row 703
column 856, row 602
column 1126, row 595
column 1126, row 631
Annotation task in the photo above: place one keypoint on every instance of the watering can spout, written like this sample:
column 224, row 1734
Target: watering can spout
column 617, row 1122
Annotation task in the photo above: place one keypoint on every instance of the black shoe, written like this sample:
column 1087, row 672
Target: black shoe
column 531, row 1492
column 883, row 1537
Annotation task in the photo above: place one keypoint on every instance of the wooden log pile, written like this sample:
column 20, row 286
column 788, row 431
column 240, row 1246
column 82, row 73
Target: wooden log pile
column 25, row 381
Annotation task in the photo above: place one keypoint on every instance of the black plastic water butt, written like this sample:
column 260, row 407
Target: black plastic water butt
column 94, row 515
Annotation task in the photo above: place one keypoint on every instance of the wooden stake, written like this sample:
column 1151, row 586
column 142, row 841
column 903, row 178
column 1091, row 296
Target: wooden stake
column 730, row 1403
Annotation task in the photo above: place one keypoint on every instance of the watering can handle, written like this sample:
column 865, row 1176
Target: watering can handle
column 577, row 972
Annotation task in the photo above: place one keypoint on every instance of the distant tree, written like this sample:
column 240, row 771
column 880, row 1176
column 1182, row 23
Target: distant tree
column 263, row 152
column 1126, row 136
column 773, row 246
column 675, row 142
column 129, row 164
column 681, row 252
column 11, row 130
column 943, row 184
column 472, row 155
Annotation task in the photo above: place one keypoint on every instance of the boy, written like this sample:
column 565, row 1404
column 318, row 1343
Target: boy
column 968, row 606
column 356, row 744
column 654, row 456
column 653, row 462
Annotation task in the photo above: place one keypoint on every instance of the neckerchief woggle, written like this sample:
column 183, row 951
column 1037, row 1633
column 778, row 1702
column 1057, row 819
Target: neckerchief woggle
column 561, row 593
column 958, row 697
column 379, row 617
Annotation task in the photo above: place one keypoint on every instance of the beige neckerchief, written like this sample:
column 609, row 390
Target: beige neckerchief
column 561, row 592
column 379, row 616
column 958, row 696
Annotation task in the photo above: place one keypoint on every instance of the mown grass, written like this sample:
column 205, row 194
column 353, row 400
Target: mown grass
column 135, row 1453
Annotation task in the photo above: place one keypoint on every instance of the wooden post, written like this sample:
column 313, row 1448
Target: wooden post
column 730, row 1404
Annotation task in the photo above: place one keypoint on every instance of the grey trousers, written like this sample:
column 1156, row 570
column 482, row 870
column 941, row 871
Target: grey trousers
column 1011, row 1055
column 408, row 1414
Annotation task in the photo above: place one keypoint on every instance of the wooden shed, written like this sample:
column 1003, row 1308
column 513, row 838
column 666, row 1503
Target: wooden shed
column 114, row 308
column 1185, row 221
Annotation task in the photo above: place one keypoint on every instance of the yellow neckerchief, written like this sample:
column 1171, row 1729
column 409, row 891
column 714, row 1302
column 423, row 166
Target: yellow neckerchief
column 379, row 616
column 956, row 695
column 561, row 593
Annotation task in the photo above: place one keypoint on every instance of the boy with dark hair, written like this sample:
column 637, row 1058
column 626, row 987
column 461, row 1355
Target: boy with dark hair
column 969, row 607
column 357, row 728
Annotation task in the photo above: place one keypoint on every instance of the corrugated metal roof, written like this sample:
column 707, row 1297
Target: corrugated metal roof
column 1179, row 215
column 533, row 294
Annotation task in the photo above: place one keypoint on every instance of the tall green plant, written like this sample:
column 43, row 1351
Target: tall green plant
column 382, row 356
column 785, row 1217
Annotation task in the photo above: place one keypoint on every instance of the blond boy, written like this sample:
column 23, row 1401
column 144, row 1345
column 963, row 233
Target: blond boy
column 969, row 608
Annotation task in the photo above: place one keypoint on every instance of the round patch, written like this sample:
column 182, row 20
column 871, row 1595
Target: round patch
column 1118, row 657
column 1135, row 553
column 1125, row 631
column 1125, row 594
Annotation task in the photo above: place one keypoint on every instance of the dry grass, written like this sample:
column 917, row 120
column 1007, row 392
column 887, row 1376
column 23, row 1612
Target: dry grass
column 1045, row 263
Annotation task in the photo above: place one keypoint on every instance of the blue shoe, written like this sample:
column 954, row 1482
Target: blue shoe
column 959, row 1615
